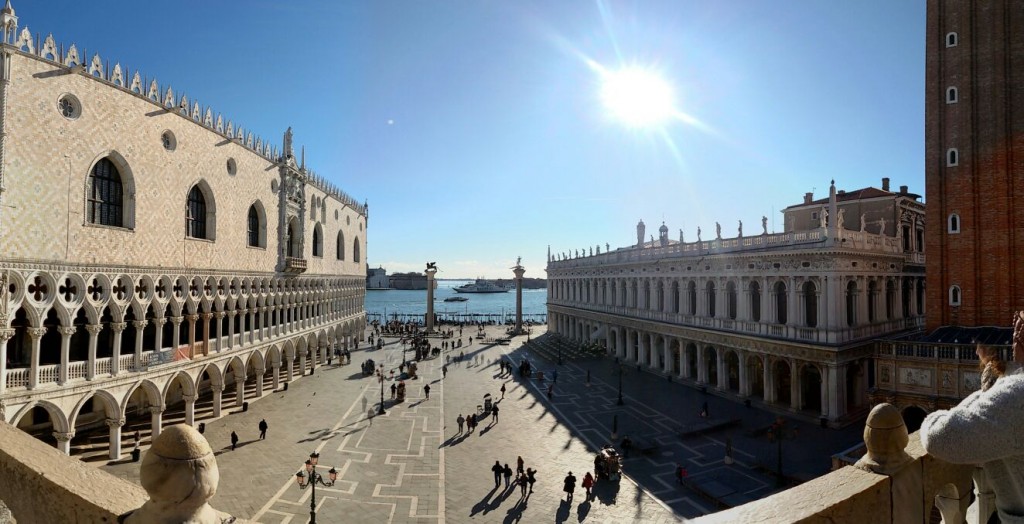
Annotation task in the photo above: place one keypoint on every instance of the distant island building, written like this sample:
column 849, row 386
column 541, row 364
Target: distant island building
column 787, row 320
column 409, row 281
column 377, row 278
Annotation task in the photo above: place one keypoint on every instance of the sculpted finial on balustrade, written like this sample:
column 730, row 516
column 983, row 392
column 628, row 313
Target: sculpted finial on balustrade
column 886, row 437
column 180, row 475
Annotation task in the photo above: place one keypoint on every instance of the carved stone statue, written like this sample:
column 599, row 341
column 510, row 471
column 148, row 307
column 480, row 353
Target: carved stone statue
column 652, row 240
column 881, row 226
column 718, row 230
column 698, row 233
column 431, row 266
column 740, row 231
column 863, row 222
column 289, row 151
column 518, row 261
column 592, row 250
column 681, row 239
column 577, row 255
column 607, row 247
column 598, row 249
column 824, row 217
column 764, row 225
column 840, row 219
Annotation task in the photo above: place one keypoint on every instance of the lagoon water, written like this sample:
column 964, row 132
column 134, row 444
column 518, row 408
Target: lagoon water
column 407, row 304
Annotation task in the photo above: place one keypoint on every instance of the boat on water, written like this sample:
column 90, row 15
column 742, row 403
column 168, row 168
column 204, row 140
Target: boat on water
column 456, row 299
column 481, row 286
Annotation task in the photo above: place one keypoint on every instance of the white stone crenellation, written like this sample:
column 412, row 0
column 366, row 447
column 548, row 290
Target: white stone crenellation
column 164, row 97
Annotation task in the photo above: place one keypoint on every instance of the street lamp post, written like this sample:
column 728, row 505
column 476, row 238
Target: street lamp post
column 312, row 478
column 381, row 410
column 778, row 433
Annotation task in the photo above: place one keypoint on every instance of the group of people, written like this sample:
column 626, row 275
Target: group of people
column 569, row 485
column 524, row 477
column 473, row 420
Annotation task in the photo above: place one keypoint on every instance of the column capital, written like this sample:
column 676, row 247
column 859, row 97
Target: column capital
column 219, row 315
column 62, row 436
column 118, row 327
column 6, row 334
column 189, row 398
column 36, row 332
column 177, row 320
column 93, row 329
column 192, row 318
column 156, row 410
column 207, row 316
column 67, row 331
column 232, row 313
column 112, row 422
column 160, row 322
column 260, row 371
column 139, row 324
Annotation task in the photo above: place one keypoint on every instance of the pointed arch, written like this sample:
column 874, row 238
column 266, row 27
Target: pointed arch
column 341, row 245
column 201, row 212
column 355, row 250
column 256, row 226
column 318, row 240
column 110, row 192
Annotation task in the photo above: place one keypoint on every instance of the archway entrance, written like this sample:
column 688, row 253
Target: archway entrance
column 810, row 388
column 783, row 379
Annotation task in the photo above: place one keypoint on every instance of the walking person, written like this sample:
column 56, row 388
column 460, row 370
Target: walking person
column 394, row 388
column 531, row 477
column 263, row 429
column 519, row 464
column 523, row 482
column 426, row 390
column 507, row 472
column 498, row 470
column 704, row 410
column 234, row 440
column 568, row 486
column 444, row 371
column 503, row 392
column 461, row 420
column 680, row 473
column 588, row 482
column 494, row 413
column 551, row 391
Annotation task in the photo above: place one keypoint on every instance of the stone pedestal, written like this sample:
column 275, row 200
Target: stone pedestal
column 428, row 322
column 518, row 272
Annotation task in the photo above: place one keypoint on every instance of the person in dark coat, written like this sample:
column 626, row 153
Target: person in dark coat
column 507, row 472
column 498, row 470
column 263, row 429
column 234, row 440
column 531, row 478
column 569, row 486
column 494, row 413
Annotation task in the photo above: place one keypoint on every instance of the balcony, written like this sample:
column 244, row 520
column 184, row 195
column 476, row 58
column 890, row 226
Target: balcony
column 294, row 265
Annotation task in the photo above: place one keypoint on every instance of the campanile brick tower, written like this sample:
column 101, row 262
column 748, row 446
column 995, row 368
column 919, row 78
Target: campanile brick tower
column 974, row 162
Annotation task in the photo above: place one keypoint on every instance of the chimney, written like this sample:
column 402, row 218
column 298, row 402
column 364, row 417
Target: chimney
column 808, row 198
column 903, row 190
column 885, row 184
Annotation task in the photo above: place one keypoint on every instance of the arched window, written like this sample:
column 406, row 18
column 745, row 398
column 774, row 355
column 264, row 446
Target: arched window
column 255, row 229
column 851, row 304
column 730, row 290
column 292, row 241
column 755, row 301
column 318, row 242
column 691, row 292
column 781, row 303
column 341, row 246
column 810, row 304
column 952, row 95
column 355, row 250
column 710, row 297
column 951, row 39
column 195, row 220
column 953, row 223
column 871, row 297
column 106, row 195
column 954, row 295
column 952, row 157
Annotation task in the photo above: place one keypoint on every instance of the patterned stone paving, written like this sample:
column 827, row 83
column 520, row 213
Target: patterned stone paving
column 411, row 465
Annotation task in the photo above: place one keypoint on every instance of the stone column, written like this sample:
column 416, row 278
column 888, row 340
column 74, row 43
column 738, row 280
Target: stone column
column 770, row 395
column 5, row 335
column 115, row 437
column 192, row 335
column 642, row 355
column 190, row 409
column 429, row 320
column 795, row 391
column 176, row 334
column 65, row 345
column 744, row 379
column 36, row 334
column 259, row 381
column 827, row 383
column 723, row 373
column 265, row 330
column 290, row 364
column 252, row 325
column 64, row 441
column 206, row 333
column 90, row 366
column 218, row 318
column 702, row 370
column 684, row 367
column 837, row 392
column 743, row 300
column 140, row 325
column 232, row 313
column 275, row 369
column 518, row 271
column 793, row 304
column 239, row 389
column 218, row 398
column 158, row 343
column 117, row 328
column 156, row 420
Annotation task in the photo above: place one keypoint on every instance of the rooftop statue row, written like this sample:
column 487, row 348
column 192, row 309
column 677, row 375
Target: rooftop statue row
column 165, row 97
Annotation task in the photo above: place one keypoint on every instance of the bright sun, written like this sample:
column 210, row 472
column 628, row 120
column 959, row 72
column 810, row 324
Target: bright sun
column 637, row 97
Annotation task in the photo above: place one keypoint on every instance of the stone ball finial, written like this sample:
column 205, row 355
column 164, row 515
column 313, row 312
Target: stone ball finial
column 180, row 475
column 886, row 438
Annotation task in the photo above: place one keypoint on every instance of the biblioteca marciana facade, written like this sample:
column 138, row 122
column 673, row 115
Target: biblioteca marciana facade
column 786, row 320
column 154, row 254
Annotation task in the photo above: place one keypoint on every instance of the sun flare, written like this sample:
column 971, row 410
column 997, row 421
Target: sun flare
column 637, row 97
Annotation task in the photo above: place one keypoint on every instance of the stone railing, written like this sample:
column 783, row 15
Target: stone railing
column 43, row 485
column 895, row 482
column 294, row 264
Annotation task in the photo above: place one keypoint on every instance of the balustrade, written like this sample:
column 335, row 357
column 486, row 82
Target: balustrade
column 126, row 362
column 103, row 366
column 49, row 374
column 76, row 370
column 17, row 378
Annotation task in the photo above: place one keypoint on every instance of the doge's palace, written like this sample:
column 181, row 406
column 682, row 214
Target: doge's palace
column 155, row 253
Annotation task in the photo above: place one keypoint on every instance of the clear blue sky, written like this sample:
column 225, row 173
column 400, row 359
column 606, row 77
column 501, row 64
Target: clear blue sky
column 475, row 129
